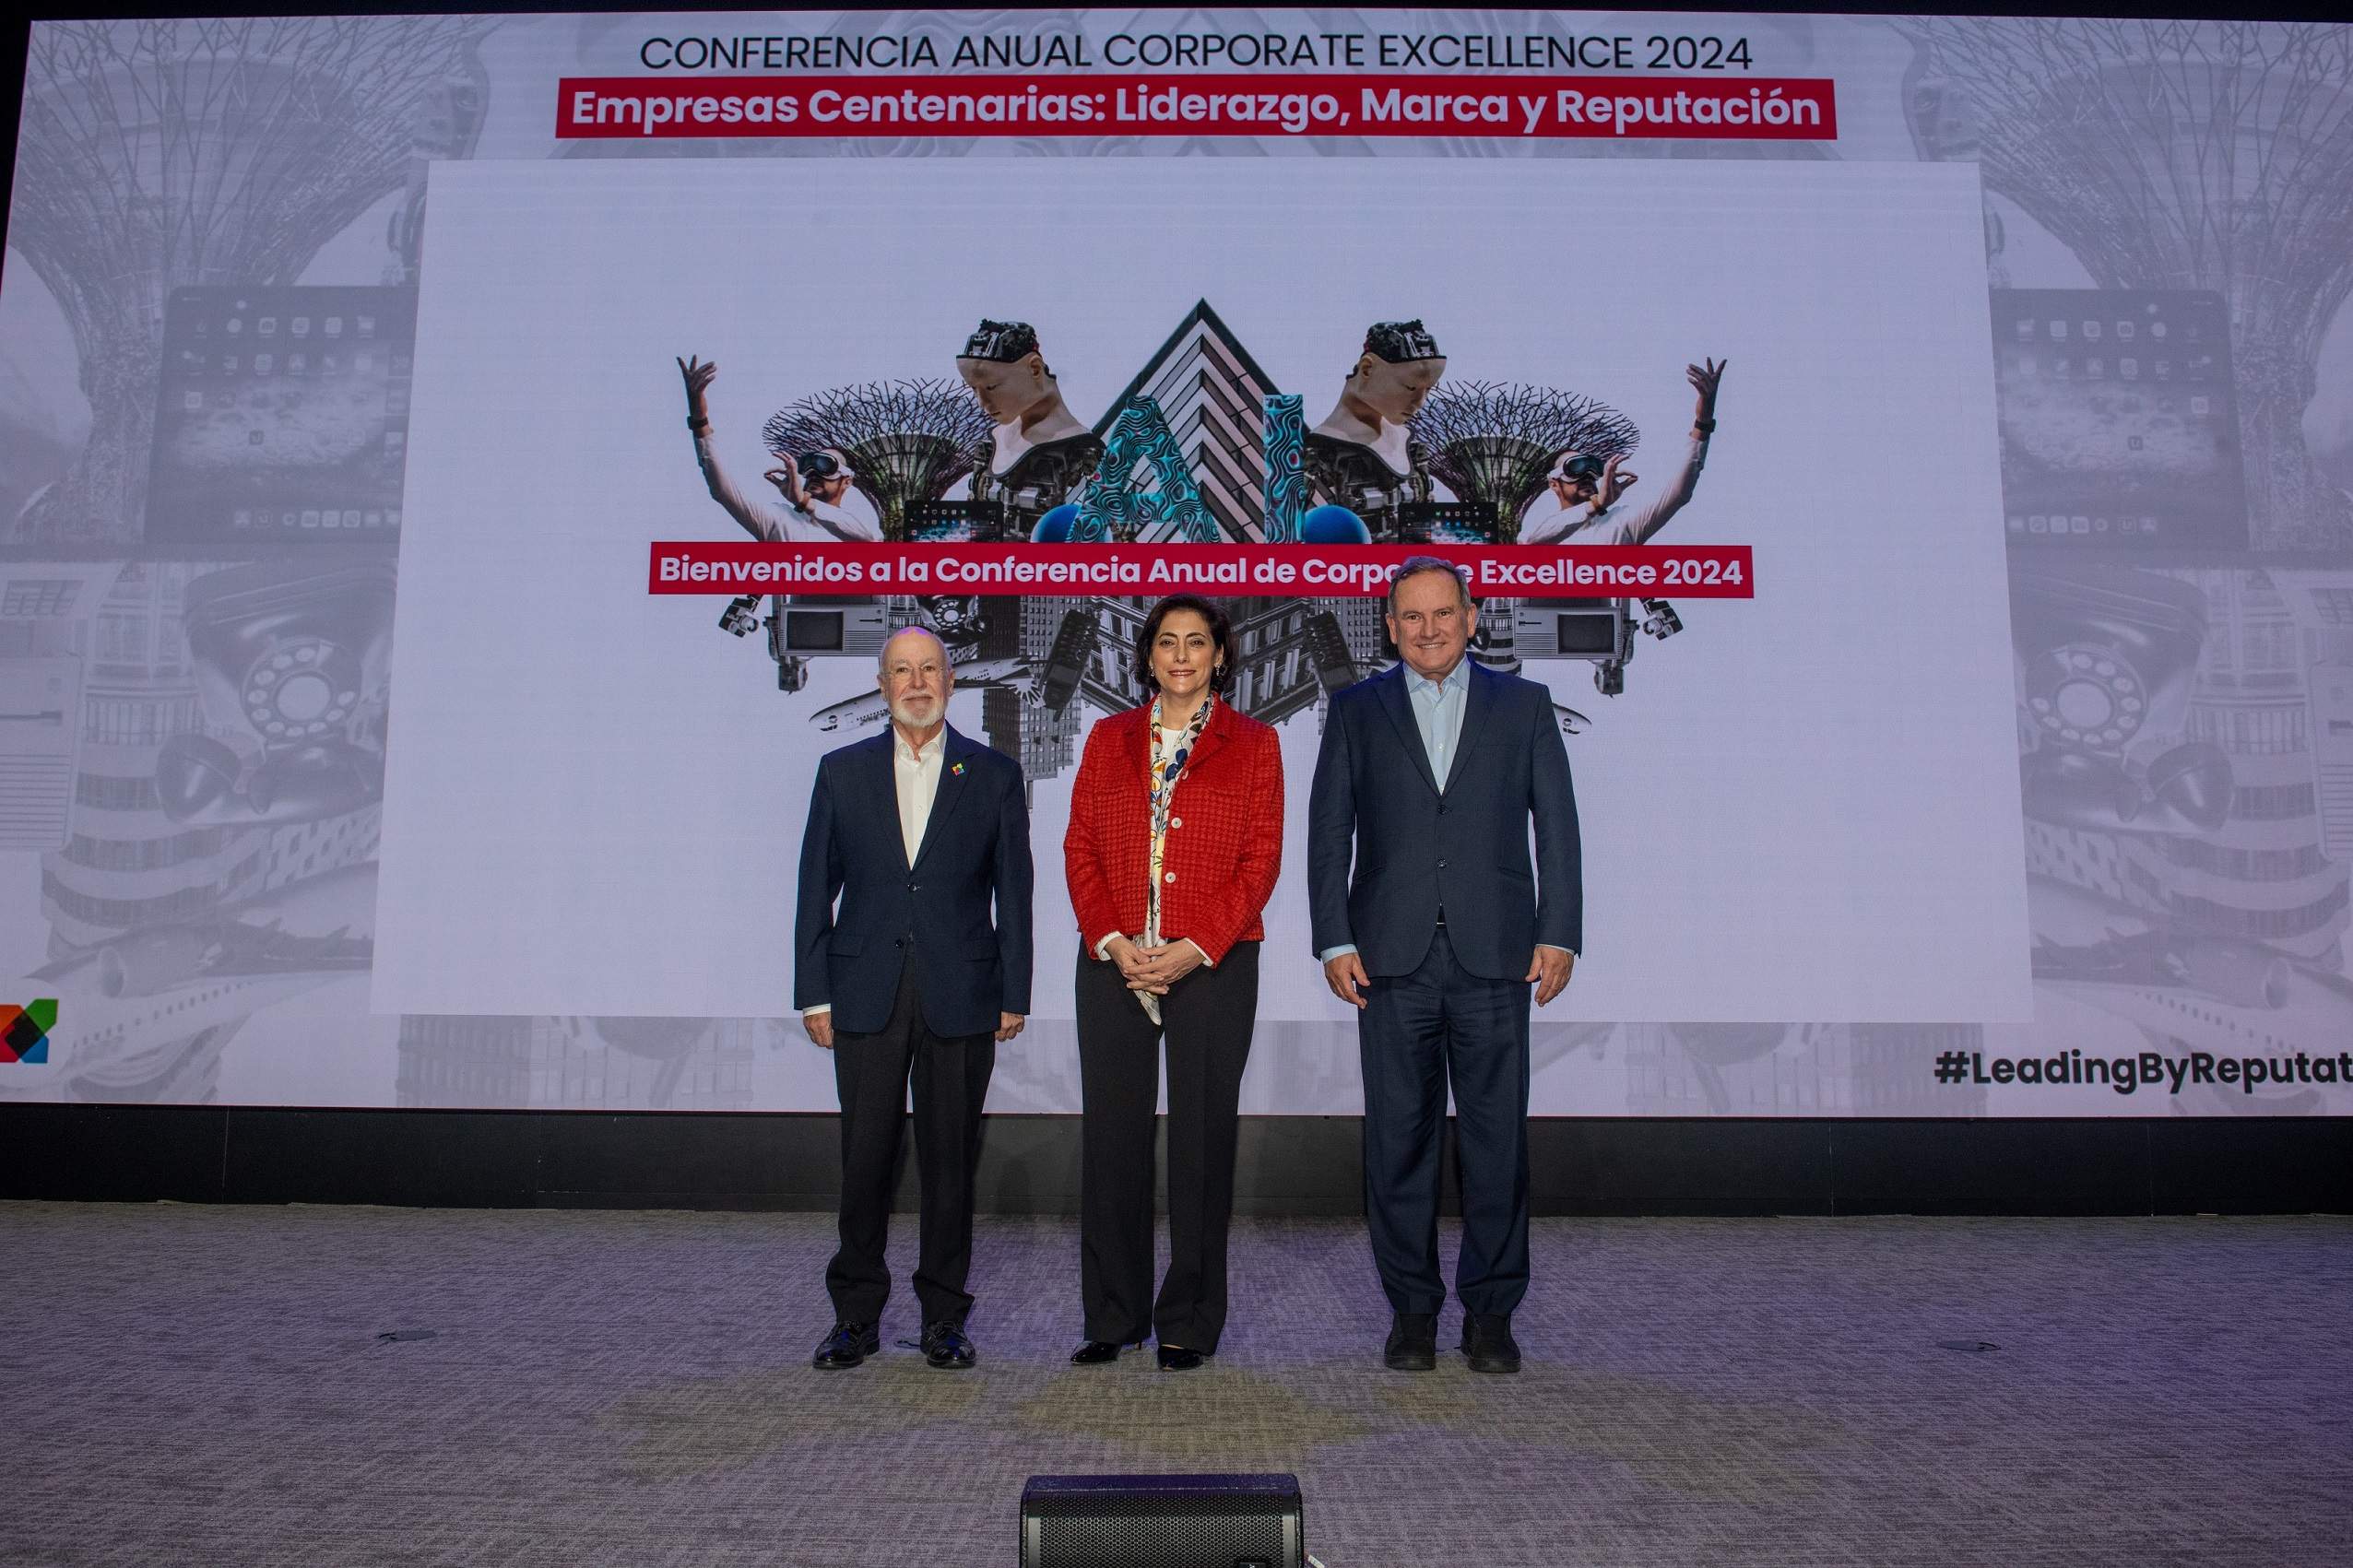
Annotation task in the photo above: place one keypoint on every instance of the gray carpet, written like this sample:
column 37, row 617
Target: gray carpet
column 208, row 1386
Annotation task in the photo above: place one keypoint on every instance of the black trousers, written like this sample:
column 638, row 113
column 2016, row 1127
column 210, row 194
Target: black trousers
column 1417, row 1033
column 950, row 1077
column 1207, row 1017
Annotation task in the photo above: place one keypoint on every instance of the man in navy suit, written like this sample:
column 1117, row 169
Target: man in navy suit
column 1431, row 774
column 923, row 835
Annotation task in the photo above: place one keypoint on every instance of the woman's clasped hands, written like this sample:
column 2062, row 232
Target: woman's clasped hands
column 1154, row 969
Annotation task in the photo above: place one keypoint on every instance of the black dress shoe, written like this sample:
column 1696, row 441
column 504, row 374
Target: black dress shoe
column 946, row 1346
column 1095, row 1352
column 1488, row 1342
column 1176, row 1358
column 848, row 1345
column 1412, row 1342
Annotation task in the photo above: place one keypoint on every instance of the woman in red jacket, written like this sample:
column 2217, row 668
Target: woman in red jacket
column 1175, row 841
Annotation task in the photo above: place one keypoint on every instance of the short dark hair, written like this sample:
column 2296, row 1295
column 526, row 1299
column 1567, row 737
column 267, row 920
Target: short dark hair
column 1414, row 565
column 1221, row 633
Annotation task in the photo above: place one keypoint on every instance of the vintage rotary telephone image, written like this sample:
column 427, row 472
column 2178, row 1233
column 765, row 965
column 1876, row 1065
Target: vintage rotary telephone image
column 2105, row 659
column 291, row 661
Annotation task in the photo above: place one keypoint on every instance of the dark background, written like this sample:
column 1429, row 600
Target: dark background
column 1288, row 1164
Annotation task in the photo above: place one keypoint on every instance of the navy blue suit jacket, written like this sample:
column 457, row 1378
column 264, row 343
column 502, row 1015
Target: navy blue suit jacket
column 1422, row 845
column 965, row 900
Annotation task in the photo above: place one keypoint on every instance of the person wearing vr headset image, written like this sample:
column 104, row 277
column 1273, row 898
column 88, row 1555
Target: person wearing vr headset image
column 1586, row 487
column 813, row 484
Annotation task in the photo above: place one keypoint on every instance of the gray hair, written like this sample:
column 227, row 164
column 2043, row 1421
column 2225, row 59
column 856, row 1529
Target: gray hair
column 1414, row 565
column 883, row 655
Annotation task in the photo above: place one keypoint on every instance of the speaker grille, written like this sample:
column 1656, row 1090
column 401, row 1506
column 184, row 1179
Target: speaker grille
column 1161, row 1522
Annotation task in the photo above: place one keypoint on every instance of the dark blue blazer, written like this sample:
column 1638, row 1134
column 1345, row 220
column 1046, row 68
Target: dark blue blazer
column 965, row 900
column 1463, row 847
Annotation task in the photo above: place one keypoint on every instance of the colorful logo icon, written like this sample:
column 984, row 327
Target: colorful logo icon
column 24, row 1031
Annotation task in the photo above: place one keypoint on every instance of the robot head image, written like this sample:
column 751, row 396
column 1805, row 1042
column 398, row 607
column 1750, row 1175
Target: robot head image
column 915, row 677
column 1003, row 365
column 1392, row 378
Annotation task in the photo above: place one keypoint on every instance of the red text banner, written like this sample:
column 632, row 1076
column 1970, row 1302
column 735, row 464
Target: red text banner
column 1784, row 109
column 1690, row 571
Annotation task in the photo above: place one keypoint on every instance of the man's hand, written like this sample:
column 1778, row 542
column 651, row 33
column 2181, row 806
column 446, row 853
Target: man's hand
column 1612, row 483
column 787, row 480
column 1345, row 973
column 1008, row 1025
column 1165, row 965
column 819, row 1027
column 1550, row 971
column 1703, row 378
column 698, row 376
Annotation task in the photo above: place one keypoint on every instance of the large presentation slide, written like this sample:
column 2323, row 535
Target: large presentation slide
column 1958, row 694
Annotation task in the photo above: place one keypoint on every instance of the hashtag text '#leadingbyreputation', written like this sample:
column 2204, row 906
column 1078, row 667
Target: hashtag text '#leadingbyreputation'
column 2154, row 1069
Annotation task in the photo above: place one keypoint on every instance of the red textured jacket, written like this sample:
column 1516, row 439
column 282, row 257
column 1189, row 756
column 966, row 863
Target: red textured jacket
column 1225, row 846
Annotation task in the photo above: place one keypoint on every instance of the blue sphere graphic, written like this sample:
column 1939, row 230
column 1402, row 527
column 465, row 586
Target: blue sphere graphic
column 1334, row 525
column 1055, row 526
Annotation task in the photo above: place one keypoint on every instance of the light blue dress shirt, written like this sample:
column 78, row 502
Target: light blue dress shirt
column 1437, row 713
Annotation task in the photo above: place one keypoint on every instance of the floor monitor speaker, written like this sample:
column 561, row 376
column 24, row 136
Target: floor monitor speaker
column 1161, row 1522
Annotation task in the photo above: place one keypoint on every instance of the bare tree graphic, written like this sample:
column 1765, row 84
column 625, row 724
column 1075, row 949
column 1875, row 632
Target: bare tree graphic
column 165, row 154
column 907, row 440
column 2188, row 154
column 1492, row 441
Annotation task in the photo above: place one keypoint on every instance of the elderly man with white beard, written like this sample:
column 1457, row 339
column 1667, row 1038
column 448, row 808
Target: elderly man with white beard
column 912, row 963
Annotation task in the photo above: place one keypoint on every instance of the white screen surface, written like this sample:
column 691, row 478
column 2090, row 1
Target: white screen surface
column 1796, row 813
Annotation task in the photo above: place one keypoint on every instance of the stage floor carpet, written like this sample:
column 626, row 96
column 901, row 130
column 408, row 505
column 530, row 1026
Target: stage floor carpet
column 211, row 1386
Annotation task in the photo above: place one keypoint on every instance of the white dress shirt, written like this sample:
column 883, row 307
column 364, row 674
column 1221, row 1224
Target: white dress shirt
column 915, row 770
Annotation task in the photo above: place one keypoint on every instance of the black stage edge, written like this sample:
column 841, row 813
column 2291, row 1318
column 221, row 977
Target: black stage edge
column 1299, row 1166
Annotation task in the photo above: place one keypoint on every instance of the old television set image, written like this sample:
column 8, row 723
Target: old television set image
column 2119, row 427
column 816, row 627
column 813, row 631
column 281, row 418
column 1568, row 629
